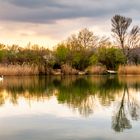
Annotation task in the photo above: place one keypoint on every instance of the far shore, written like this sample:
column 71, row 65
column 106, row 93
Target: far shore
column 27, row 70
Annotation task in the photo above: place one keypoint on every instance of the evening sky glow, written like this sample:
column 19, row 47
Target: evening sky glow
column 47, row 22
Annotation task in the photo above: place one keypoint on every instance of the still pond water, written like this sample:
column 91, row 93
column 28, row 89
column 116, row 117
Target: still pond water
column 70, row 108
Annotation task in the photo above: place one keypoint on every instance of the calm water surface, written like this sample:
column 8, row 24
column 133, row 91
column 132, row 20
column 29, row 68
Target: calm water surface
column 70, row 108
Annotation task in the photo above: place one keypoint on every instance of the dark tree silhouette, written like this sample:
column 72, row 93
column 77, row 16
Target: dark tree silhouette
column 133, row 44
column 120, row 25
column 120, row 120
column 134, row 37
column 126, row 40
column 129, row 108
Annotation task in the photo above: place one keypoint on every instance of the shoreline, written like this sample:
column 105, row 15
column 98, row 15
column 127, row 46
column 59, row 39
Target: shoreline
column 34, row 70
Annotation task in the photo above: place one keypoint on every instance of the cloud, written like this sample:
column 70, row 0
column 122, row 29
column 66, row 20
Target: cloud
column 36, row 3
column 54, row 20
column 50, row 11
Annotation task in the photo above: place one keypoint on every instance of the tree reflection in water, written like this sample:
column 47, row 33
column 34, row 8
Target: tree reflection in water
column 120, row 120
column 82, row 93
column 129, row 108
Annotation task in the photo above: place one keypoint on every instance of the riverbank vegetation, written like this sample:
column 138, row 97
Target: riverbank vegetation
column 81, row 53
column 129, row 70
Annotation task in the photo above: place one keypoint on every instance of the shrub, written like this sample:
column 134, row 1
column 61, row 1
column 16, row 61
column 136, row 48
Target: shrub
column 110, row 57
column 61, row 53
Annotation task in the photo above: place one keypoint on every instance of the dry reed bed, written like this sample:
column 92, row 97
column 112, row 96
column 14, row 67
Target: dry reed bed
column 25, row 70
column 18, row 70
column 129, row 79
column 96, row 70
column 68, row 70
column 129, row 70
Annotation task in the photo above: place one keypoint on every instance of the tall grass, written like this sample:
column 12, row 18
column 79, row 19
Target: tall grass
column 68, row 70
column 18, row 70
column 96, row 70
column 129, row 79
column 129, row 70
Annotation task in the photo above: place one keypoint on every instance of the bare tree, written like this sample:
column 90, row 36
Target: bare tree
column 84, row 40
column 133, row 44
column 105, row 42
column 87, row 39
column 72, row 43
column 134, row 37
column 120, row 25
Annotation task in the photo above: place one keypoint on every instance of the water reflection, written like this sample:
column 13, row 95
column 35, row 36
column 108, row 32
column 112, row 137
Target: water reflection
column 120, row 120
column 129, row 108
column 84, row 94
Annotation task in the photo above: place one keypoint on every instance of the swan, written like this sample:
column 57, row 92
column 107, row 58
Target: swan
column 1, row 77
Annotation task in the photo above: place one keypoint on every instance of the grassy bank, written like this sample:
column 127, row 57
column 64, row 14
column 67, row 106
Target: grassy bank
column 25, row 70
column 129, row 70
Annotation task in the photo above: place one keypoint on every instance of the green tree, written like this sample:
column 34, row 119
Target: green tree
column 81, row 47
column 110, row 57
column 62, row 53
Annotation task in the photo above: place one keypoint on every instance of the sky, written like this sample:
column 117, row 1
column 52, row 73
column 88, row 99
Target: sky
column 47, row 22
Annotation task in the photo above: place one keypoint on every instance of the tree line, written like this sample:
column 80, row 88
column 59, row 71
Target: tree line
column 81, row 50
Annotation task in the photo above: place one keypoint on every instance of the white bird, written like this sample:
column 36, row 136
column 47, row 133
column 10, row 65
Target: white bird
column 1, row 77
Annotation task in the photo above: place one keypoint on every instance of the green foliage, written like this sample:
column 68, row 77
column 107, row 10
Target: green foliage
column 80, row 60
column 62, row 53
column 93, row 60
column 2, row 55
column 110, row 57
column 79, row 51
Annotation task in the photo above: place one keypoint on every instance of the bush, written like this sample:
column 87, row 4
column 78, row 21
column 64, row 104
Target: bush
column 62, row 53
column 110, row 57
column 80, row 59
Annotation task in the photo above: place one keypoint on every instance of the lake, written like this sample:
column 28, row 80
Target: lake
column 70, row 108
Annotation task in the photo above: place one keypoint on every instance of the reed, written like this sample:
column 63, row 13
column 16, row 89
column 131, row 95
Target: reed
column 18, row 70
column 68, row 70
column 129, row 70
column 96, row 70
